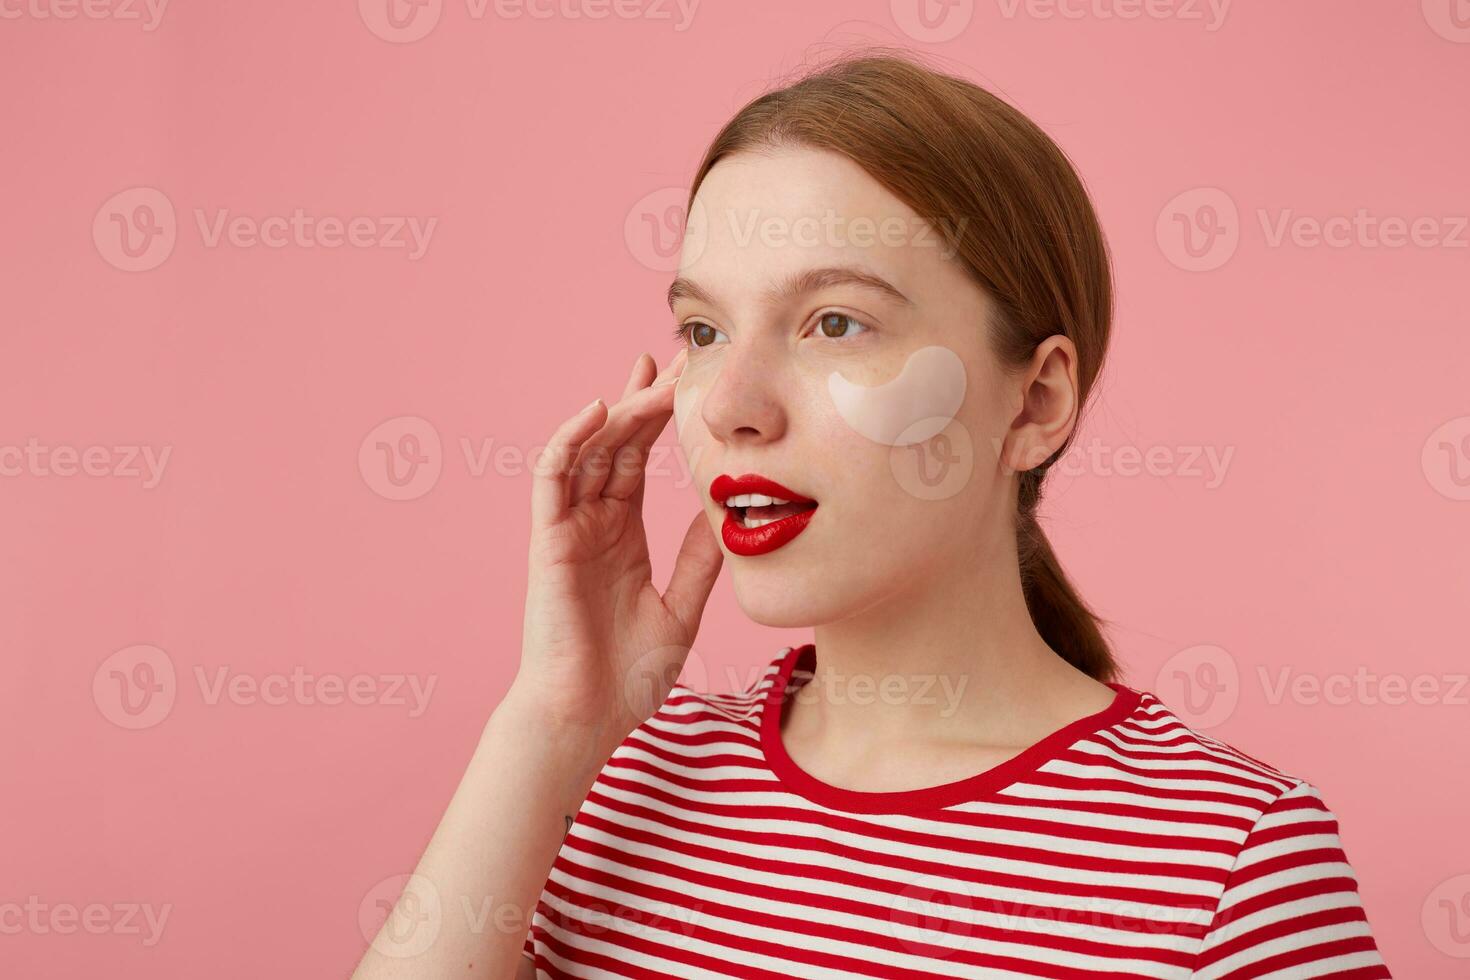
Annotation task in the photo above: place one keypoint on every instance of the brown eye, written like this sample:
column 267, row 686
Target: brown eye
column 702, row 334
column 835, row 324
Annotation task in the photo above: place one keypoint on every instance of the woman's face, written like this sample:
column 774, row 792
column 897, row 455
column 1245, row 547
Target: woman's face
column 838, row 348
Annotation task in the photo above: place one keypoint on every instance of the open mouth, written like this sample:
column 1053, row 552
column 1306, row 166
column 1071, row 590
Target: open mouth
column 752, row 510
column 761, row 515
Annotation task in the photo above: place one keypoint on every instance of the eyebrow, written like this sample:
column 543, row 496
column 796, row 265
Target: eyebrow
column 798, row 284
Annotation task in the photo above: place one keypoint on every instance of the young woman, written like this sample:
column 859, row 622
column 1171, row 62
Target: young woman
column 894, row 299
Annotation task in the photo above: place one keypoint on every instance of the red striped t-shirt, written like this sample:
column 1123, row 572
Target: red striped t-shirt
column 1123, row 845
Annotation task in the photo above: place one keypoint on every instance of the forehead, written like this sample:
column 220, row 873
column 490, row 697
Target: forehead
column 763, row 214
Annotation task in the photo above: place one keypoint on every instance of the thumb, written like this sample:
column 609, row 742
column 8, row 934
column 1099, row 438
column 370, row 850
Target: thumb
column 695, row 571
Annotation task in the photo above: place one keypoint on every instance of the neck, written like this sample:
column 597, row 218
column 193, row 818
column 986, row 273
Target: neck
column 955, row 656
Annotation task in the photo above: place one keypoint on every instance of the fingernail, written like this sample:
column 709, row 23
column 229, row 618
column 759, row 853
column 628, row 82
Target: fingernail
column 590, row 406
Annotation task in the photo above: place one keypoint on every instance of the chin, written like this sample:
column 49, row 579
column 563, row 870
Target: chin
column 786, row 598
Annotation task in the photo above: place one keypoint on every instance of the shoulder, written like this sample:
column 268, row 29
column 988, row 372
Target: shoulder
column 1284, row 839
column 1156, row 734
column 1286, row 893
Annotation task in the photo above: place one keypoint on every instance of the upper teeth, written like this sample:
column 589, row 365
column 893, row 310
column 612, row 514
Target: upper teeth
column 753, row 500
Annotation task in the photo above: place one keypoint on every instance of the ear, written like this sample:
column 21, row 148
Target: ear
column 1047, row 405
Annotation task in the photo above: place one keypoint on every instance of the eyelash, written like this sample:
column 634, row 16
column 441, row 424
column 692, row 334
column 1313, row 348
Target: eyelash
column 682, row 330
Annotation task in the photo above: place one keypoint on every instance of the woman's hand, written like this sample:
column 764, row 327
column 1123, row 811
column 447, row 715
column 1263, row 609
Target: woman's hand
column 600, row 650
column 601, row 647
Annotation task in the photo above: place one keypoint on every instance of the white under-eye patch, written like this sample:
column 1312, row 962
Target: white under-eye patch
column 685, row 398
column 913, row 407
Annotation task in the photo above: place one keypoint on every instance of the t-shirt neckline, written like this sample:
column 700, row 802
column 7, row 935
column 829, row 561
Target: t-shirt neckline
column 962, row 790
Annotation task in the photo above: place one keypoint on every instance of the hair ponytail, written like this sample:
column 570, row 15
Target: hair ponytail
column 1064, row 621
column 1009, row 203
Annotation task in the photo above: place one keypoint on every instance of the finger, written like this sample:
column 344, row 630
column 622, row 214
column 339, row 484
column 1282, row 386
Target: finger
column 645, row 410
column 594, row 461
column 674, row 368
column 630, row 463
column 695, row 571
column 639, row 377
column 550, row 475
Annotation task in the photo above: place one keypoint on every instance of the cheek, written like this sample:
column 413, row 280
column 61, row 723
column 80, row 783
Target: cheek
column 909, row 426
column 917, row 404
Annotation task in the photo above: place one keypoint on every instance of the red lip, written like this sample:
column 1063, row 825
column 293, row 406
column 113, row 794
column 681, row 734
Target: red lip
column 749, row 541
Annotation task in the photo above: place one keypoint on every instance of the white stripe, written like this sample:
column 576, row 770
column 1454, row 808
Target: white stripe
column 1285, row 944
column 1039, row 792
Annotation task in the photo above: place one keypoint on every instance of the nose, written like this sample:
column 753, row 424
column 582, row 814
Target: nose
column 745, row 404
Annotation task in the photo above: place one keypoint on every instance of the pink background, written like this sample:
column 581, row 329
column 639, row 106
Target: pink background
column 1334, row 376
